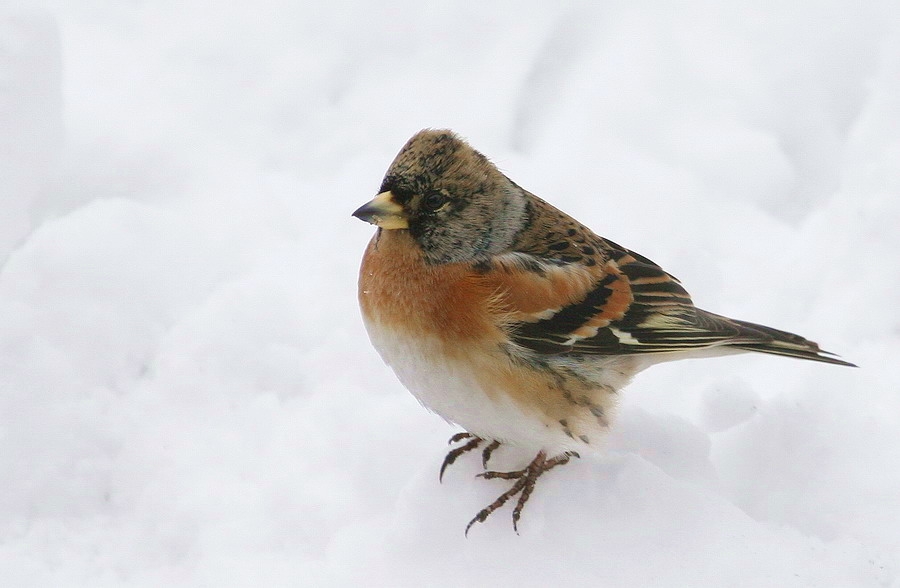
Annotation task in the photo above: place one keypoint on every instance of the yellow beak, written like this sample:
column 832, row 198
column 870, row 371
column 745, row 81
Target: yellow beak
column 383, row 211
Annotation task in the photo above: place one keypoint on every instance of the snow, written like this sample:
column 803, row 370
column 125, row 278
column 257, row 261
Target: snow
column 188, row 396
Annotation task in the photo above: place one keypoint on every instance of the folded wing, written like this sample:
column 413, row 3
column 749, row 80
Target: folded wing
column 622, row 303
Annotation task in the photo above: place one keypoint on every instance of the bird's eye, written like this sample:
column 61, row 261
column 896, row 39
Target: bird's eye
column 434, row 200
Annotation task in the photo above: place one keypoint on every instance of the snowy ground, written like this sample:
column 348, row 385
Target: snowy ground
column 187, row 394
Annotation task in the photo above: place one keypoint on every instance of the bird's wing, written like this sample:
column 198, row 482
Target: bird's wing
column 622, row 303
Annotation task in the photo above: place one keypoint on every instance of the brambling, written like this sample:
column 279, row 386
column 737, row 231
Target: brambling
column 513, row 320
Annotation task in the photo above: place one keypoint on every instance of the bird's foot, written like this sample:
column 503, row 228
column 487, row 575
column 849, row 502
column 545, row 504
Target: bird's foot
column 525, row 479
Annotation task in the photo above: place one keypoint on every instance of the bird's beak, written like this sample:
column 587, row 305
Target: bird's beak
column 384, row 212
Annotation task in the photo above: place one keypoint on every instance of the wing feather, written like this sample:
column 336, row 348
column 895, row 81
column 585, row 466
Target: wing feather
column 622, row 304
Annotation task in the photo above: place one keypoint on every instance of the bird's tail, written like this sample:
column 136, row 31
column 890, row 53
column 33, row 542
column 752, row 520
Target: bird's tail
column 768, row 340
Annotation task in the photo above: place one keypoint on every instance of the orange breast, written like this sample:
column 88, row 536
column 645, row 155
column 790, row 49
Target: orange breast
column 398, row 290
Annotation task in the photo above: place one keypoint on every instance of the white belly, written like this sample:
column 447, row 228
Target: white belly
column 450, row 389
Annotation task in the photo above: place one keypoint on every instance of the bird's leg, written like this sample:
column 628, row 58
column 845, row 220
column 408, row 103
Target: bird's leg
column 454, row 453
column 525, row 481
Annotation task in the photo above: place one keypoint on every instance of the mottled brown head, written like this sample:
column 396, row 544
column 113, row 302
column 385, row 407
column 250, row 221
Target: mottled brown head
column 454, row 202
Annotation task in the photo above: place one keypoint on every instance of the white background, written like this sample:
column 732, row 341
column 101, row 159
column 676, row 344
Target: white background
column 187, row 394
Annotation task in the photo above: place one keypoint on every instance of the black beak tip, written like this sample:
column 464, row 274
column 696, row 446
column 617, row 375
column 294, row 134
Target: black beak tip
column 363, row 213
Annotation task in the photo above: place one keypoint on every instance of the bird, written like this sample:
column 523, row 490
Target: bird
column 514, row 321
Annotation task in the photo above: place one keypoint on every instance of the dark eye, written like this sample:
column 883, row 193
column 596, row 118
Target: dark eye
column 434, row 200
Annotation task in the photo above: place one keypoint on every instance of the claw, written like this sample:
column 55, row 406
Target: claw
column 473, row 442
column 486, row 454
column 491, row 475
column 455, row 453
column 459, row 437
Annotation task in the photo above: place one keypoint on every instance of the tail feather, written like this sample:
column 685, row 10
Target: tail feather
column 768, row 340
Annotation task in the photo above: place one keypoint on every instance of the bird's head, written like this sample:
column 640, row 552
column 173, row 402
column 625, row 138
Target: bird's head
column 456, row 205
